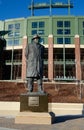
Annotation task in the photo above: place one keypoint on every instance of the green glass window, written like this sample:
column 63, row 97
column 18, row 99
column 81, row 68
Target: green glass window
column 17, row 26
column 17, row 34
column 10, row 26
column 41, row 24
column 16, row 42
column 67, row 31
column 34, row 32
column 63, row 24
column 14, row 30
column 9, row 42
column 14, row 26
column 83, row 32
column 40, row 32
column 34, row 24
column 83, row 24
column 13, row 42
column 63, row 29
column 59, row 40
column 37, row 28
column 67, row 40
column 59, row 23
column 11, row 34
column 66, row 23
column 59, row 31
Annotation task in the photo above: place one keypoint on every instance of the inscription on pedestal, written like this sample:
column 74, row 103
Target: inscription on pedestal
column 33, row 101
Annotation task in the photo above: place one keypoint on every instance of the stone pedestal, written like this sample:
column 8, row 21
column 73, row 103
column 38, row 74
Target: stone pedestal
column 34, row 102
column 33, row 109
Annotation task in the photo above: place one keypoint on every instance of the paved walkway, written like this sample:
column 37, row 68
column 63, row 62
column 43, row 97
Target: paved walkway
column 61, row 123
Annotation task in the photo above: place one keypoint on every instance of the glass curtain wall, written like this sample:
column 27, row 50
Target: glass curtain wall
column 59, row 64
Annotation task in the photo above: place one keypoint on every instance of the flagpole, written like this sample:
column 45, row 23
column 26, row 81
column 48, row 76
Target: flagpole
column 32, row 7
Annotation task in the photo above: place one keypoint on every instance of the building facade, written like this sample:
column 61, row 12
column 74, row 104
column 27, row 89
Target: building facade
column 63, row 38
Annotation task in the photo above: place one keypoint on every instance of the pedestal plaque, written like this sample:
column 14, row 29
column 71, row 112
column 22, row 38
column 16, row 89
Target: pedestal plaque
column 34, row 102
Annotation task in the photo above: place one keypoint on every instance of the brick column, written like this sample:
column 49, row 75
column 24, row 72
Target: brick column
column 50, row 57
column 23, row 58
column 77, row 57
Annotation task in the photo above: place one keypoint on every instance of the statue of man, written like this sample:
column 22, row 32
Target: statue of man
column 34, row 55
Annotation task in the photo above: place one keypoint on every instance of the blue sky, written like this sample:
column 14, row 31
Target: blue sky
column 19, row 8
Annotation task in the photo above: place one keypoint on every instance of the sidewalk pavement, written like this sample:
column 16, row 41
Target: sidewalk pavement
column 68, row 122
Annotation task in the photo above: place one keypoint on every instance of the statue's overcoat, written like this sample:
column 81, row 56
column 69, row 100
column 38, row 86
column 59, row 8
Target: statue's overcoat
column 34, row 53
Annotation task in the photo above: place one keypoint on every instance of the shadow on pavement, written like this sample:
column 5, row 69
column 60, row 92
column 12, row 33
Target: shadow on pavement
column 60, row 119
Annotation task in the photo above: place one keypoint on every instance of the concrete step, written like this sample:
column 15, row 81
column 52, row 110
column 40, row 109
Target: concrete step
column 56, row 108
column 66, row 108
column 33, row 118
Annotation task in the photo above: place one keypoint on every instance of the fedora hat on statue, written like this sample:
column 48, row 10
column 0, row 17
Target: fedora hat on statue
column 36, row 36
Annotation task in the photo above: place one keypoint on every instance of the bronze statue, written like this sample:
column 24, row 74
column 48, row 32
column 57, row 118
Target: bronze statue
column 34, row 53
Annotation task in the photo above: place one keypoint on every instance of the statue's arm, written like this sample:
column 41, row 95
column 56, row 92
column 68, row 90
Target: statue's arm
column 43, row 51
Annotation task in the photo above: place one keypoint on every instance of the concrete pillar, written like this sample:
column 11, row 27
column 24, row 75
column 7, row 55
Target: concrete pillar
column 23, row 58
column 50, row 57
column 77, row 57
